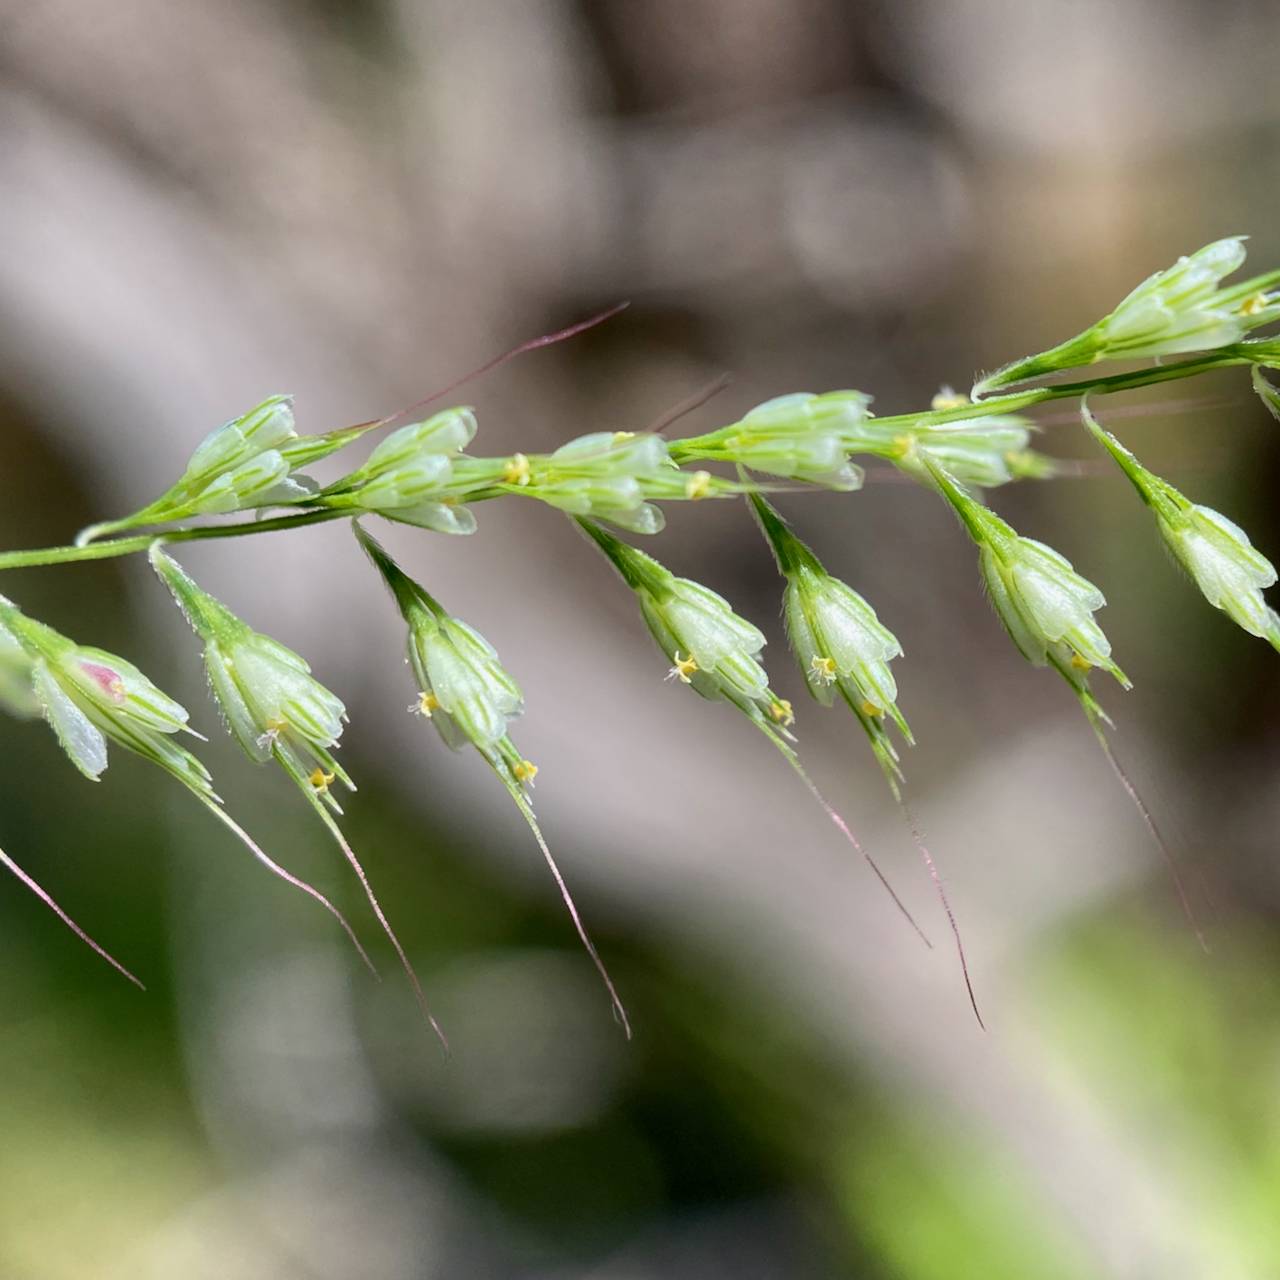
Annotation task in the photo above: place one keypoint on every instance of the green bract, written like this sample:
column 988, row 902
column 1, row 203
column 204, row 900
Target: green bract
column 270, row 702
column 1215, row 552
column 1174, row 311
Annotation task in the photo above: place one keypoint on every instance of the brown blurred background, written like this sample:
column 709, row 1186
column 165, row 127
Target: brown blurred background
column 356, row 202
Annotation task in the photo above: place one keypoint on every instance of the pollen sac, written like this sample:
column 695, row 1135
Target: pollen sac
column 1180, row 309
column 410, row 476
column 800, row 437
column 89, row 696
column 1215, row 552
column 270, row 702
column 247, row 463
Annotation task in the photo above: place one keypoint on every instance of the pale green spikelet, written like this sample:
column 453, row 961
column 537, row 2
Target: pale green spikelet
column 839, row 643
column 469, row 697
column 89, row 696
column 413, row 476
column 711, row 649
column 1045, row 605
column 1215, row 553
column 270, row 702
column 247, row 464
column 800, row 436
column 1181, row 309
column 275, row 709
column 615, row 476
column 981, row 452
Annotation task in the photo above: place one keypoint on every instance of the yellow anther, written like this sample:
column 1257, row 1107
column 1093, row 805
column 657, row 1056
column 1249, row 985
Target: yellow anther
column 1081, row 664
column 621, row 437
column 277, row 725
column 517, row 470
column 869, row 708
column 1251, row 306
column 780, row 711
column 697, row 485
column 948, row 398
column 320, row 780
column 525, row 771
column 427, row 704
column 684, row 668
column 903, row 444
column 823, row 668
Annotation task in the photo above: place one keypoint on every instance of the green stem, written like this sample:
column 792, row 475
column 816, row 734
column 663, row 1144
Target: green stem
column 142, row 542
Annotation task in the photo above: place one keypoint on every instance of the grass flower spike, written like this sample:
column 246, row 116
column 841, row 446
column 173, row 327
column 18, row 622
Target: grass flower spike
column 840, row 644
column 1216, row 554
column 270, row 702
column 89, row 696
column 409, row 477
column 276, row 710
column 801, row 436
column 466, row 693
column 710, row 647
column 246, row 463
column 422, row 475
column 615, row 476
column 1046, row 607
column 1181, row 309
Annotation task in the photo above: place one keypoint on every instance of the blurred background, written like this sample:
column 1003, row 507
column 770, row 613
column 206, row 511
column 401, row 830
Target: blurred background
column 358, row 200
